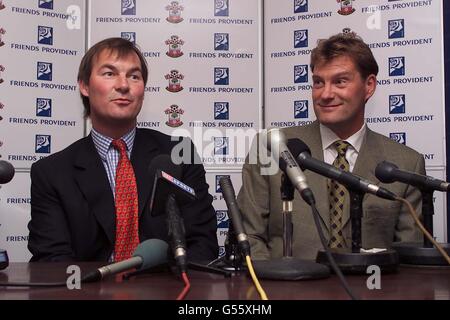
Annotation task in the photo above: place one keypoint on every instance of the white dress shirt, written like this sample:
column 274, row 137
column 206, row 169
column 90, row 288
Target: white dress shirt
column 330, row 152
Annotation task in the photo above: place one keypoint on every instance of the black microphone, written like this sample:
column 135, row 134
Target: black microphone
column 276, row 143
column 176, row 231
column 166, row 181
column 388, row 172
column 150, row 253
column 345, row 178
column 233, row 210
column 6, row 172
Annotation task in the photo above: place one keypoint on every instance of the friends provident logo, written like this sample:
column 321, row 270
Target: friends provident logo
column 221, row 146
column 221, row 41
column 43, row 107
column 44, row 71
column 221, row 110
column 45, row 35
column 221, row 8
column 218, row 177
column 300, row 6
column 174, row 113
column 397, row 104
column 222, row 76
column 346, row 7
column 301, row 73
column 399, row 137
column 45, row 4
column 396, row 28
column 130, row 36
column 222, row 219
column 174, row 78
column 301, row 109
column 175, row 10
column 396, row 66
column 43, row 143
column 128, row 7
column 300, row 38
column 174, row 44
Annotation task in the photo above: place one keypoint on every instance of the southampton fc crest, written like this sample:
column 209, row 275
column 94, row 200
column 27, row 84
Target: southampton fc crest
column 174, row 78
column 174, row 113
column 346, row 7
column 174, row 12
column 2, row 32
column 2, row 68
column 174, row 44
column 2, row 6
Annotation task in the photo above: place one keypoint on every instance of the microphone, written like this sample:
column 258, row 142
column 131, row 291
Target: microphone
column 6, row 172
column 388, row 172
column 233, row 210
column 276, row 143
column 347, row 179
column 175, row 225
column 166, row 181
column 150, row 253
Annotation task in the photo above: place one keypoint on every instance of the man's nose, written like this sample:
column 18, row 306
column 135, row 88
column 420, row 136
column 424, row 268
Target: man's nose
column 328, row 91
column 122, row 84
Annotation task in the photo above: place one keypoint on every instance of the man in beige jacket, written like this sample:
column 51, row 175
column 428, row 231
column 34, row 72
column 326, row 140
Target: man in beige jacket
column 344, row 79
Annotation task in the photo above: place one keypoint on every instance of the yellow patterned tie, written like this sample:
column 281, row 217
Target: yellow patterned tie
column 337, row 197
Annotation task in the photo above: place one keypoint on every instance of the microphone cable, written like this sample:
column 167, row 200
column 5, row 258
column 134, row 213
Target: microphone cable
column 187, row 286
column 422, row 228
column 258, row 286
column 333, row 263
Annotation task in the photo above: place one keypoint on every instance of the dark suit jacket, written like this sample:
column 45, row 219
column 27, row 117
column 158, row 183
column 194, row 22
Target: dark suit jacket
column 72, row 205
column 383, row 221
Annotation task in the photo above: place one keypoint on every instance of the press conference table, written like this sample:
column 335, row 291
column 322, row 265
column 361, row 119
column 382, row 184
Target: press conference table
column 409, row 283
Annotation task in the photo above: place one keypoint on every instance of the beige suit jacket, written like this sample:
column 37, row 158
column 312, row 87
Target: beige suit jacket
column 383, row 221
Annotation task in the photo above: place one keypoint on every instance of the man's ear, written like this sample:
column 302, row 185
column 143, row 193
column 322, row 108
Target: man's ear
column 84, row 88
column 371, row 84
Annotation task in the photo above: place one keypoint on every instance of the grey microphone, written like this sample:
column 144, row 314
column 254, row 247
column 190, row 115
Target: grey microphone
column 276, row 143
column 388, row 172
column 150, row 253
column 6, row 172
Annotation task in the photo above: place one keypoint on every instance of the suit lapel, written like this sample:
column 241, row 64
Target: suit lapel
column 93, row 182
column 317, row 182
column 144, row 150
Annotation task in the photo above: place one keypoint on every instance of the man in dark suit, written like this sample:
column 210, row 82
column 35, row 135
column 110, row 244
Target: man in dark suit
column 73, row 203
column 344, row 79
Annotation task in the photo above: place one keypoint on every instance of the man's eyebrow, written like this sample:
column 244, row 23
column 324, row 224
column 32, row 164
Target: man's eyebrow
column 337, row 75
column 112, row 67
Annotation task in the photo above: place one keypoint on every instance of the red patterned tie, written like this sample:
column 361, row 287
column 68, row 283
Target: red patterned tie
column 127, row 237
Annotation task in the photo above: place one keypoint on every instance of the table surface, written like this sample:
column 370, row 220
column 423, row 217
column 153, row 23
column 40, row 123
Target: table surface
column 409, row 283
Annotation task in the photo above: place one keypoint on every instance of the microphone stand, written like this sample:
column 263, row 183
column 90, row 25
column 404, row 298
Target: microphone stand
column 416, row 253
column 233, row 259
column 288, row 267
column 176, row 234
column 352, row 260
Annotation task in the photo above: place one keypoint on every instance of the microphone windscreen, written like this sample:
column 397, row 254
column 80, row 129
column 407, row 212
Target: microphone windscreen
column 295, row 146
column 384, row 172
column 6, row 172
column 153, row 253
column 164, row 163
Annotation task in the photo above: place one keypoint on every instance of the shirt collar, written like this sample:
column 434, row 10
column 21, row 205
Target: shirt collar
column 329, row 137
column 103, row 143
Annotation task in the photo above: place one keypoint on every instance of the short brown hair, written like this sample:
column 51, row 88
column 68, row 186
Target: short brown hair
column 345, row 44
column 119, row 46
